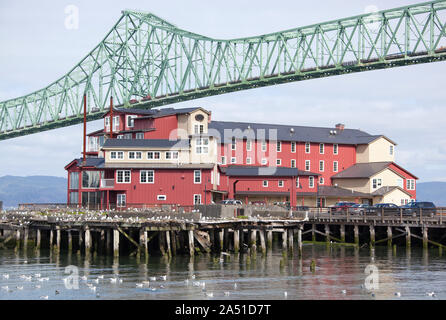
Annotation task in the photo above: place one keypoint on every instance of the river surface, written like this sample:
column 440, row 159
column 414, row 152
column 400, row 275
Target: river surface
column 413, row 273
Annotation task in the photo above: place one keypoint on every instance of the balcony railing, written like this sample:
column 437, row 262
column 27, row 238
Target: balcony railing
column 107, row 183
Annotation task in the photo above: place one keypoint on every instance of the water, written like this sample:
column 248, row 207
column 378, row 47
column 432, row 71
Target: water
column 413, row 273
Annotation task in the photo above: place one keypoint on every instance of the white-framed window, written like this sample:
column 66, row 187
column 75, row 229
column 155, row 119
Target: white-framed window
column 335, row 149
column 279, row 146
column 128, row 136
column 279, row 162
column 116, row 123
column 161, row 197
column 293, row 147
column 307, row 147
column 264, row 161
column 376, row 183
column 121, row 200
column 202, row 145
column 171, row 155
column 307, row 165
column 293, row 163
column 402, row 202
column 197, row 198
column 410, row 184
column 153, row 155
column 321, row 148
column 265, row 183
column 248, row 160
column 147, row 176
column 199, row 129
column 233, row 160
column 135, row 155
column 223, row 160
column 123, row 176
column 321, row 165
column 280, row 184
column 130, row 121
column 117, row 155
column 233, row 144
column 391, row 150
column 311, row 182
column 120, row 136
column 321, row 180
column 197, row 176
column 139, row 135
column 248, row 145
column 335, row 166
column 297, row 182
column 107, row 123
column 400, row 183
column 263, row 145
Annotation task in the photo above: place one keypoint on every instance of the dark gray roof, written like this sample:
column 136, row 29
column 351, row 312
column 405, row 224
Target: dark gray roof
column 155, row 113
column 145, row 143
column 292, row 133
column 91, row 162
column 362, row 170
column 264, row 171
column 336, row 192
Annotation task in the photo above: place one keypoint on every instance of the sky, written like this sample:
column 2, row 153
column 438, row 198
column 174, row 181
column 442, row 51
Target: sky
column 406, row 104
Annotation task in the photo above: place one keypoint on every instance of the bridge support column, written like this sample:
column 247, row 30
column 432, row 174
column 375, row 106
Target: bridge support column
column 342, row 232
column 38, row 239
column 284, row 240
column 356, row 233
column 407, row 236
column 425, row 237
column 389, row 236
column 236, row 240
column 372, row 235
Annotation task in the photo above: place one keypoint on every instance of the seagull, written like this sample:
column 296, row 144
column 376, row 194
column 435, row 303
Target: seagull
column 152, row 278
column 196, row 283
column 57, row 292
column 227, row 293
column 161, row 287
column 38, row 286
column 37, row 275
column 84, row 278
column 344, row 291
column 285, row 294
column 431, row 294
column 398, row 294
column 6, row 276
column 209, row 294
column 96, row 280
column 93, row 288
column 20, row 288
column 164, row 278
column 101, row 277
column 113, row 280
column 235, row 285
column 44, row 297
column 186, row 281
column 146, row 283
column 193, row 276
column 139, row 285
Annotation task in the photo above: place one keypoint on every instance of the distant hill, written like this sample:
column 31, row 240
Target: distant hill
column 32, row 189
column 432, row 191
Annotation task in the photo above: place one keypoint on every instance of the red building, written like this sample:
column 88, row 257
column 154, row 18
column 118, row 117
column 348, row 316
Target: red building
column 182, row 157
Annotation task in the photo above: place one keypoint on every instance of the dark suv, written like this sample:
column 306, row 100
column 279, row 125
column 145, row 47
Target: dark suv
column 414, row 208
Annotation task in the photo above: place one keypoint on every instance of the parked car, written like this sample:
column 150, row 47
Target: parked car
column 414, row 208
column 388, row 208
column 385, row 205
column 231, row 202
column 342, row 206
column 361, row 208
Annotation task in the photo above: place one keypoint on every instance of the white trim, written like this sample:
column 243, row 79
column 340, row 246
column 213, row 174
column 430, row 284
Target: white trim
column 123, row 176
column 195, row 171
column 147, row 176
column 160, row 196
column 265, row 185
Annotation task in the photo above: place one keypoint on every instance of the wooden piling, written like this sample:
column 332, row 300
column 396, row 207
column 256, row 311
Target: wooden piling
column 221, row 239
column 38, row 239
column 262, row 241
column 356, row 233
column 342, row 232
column 389, row 236
column 284, row 240
column 299, row 240
column 425, row 237
column 226, row 239
column 253, row 240
column 81, row 241
column 290, row 241
column 169, row 250
column 372, row 235
column 142, row 242
column 116, row 242
column 57, row 239
column 109, row 241
column 162, row 241
column 191, row 243
column 70, row 242
column 269, row 239
column 173, row 242
column 102, row 244
column 236, row 240
column 313, row 232
column 327, row 233
column 51, row 239
column 87, row 240
column 25, row 238
column 407, row 236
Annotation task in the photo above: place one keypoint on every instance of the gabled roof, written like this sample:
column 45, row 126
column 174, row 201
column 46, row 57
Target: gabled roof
column 145, row 143
column 362, row 170
column 264, row 171
column 292, row 133
column 387, row 189
column 89, row 162
column 336, row 192
column 157, row 113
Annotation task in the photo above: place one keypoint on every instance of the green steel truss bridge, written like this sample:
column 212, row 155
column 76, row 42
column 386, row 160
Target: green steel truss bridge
column 145, row 62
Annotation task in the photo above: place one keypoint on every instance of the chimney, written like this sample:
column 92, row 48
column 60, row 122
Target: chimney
column 340, row 127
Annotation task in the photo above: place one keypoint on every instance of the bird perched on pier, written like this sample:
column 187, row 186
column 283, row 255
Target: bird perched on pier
column 164, row 278
column 285, row 294
column 6, row 276
column 344, row 291
column 56, row 292
column 152, row 278
column 431, row 294
column 398, row 294
column 44, row 297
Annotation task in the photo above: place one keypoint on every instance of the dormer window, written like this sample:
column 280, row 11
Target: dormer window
column 199, row 129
